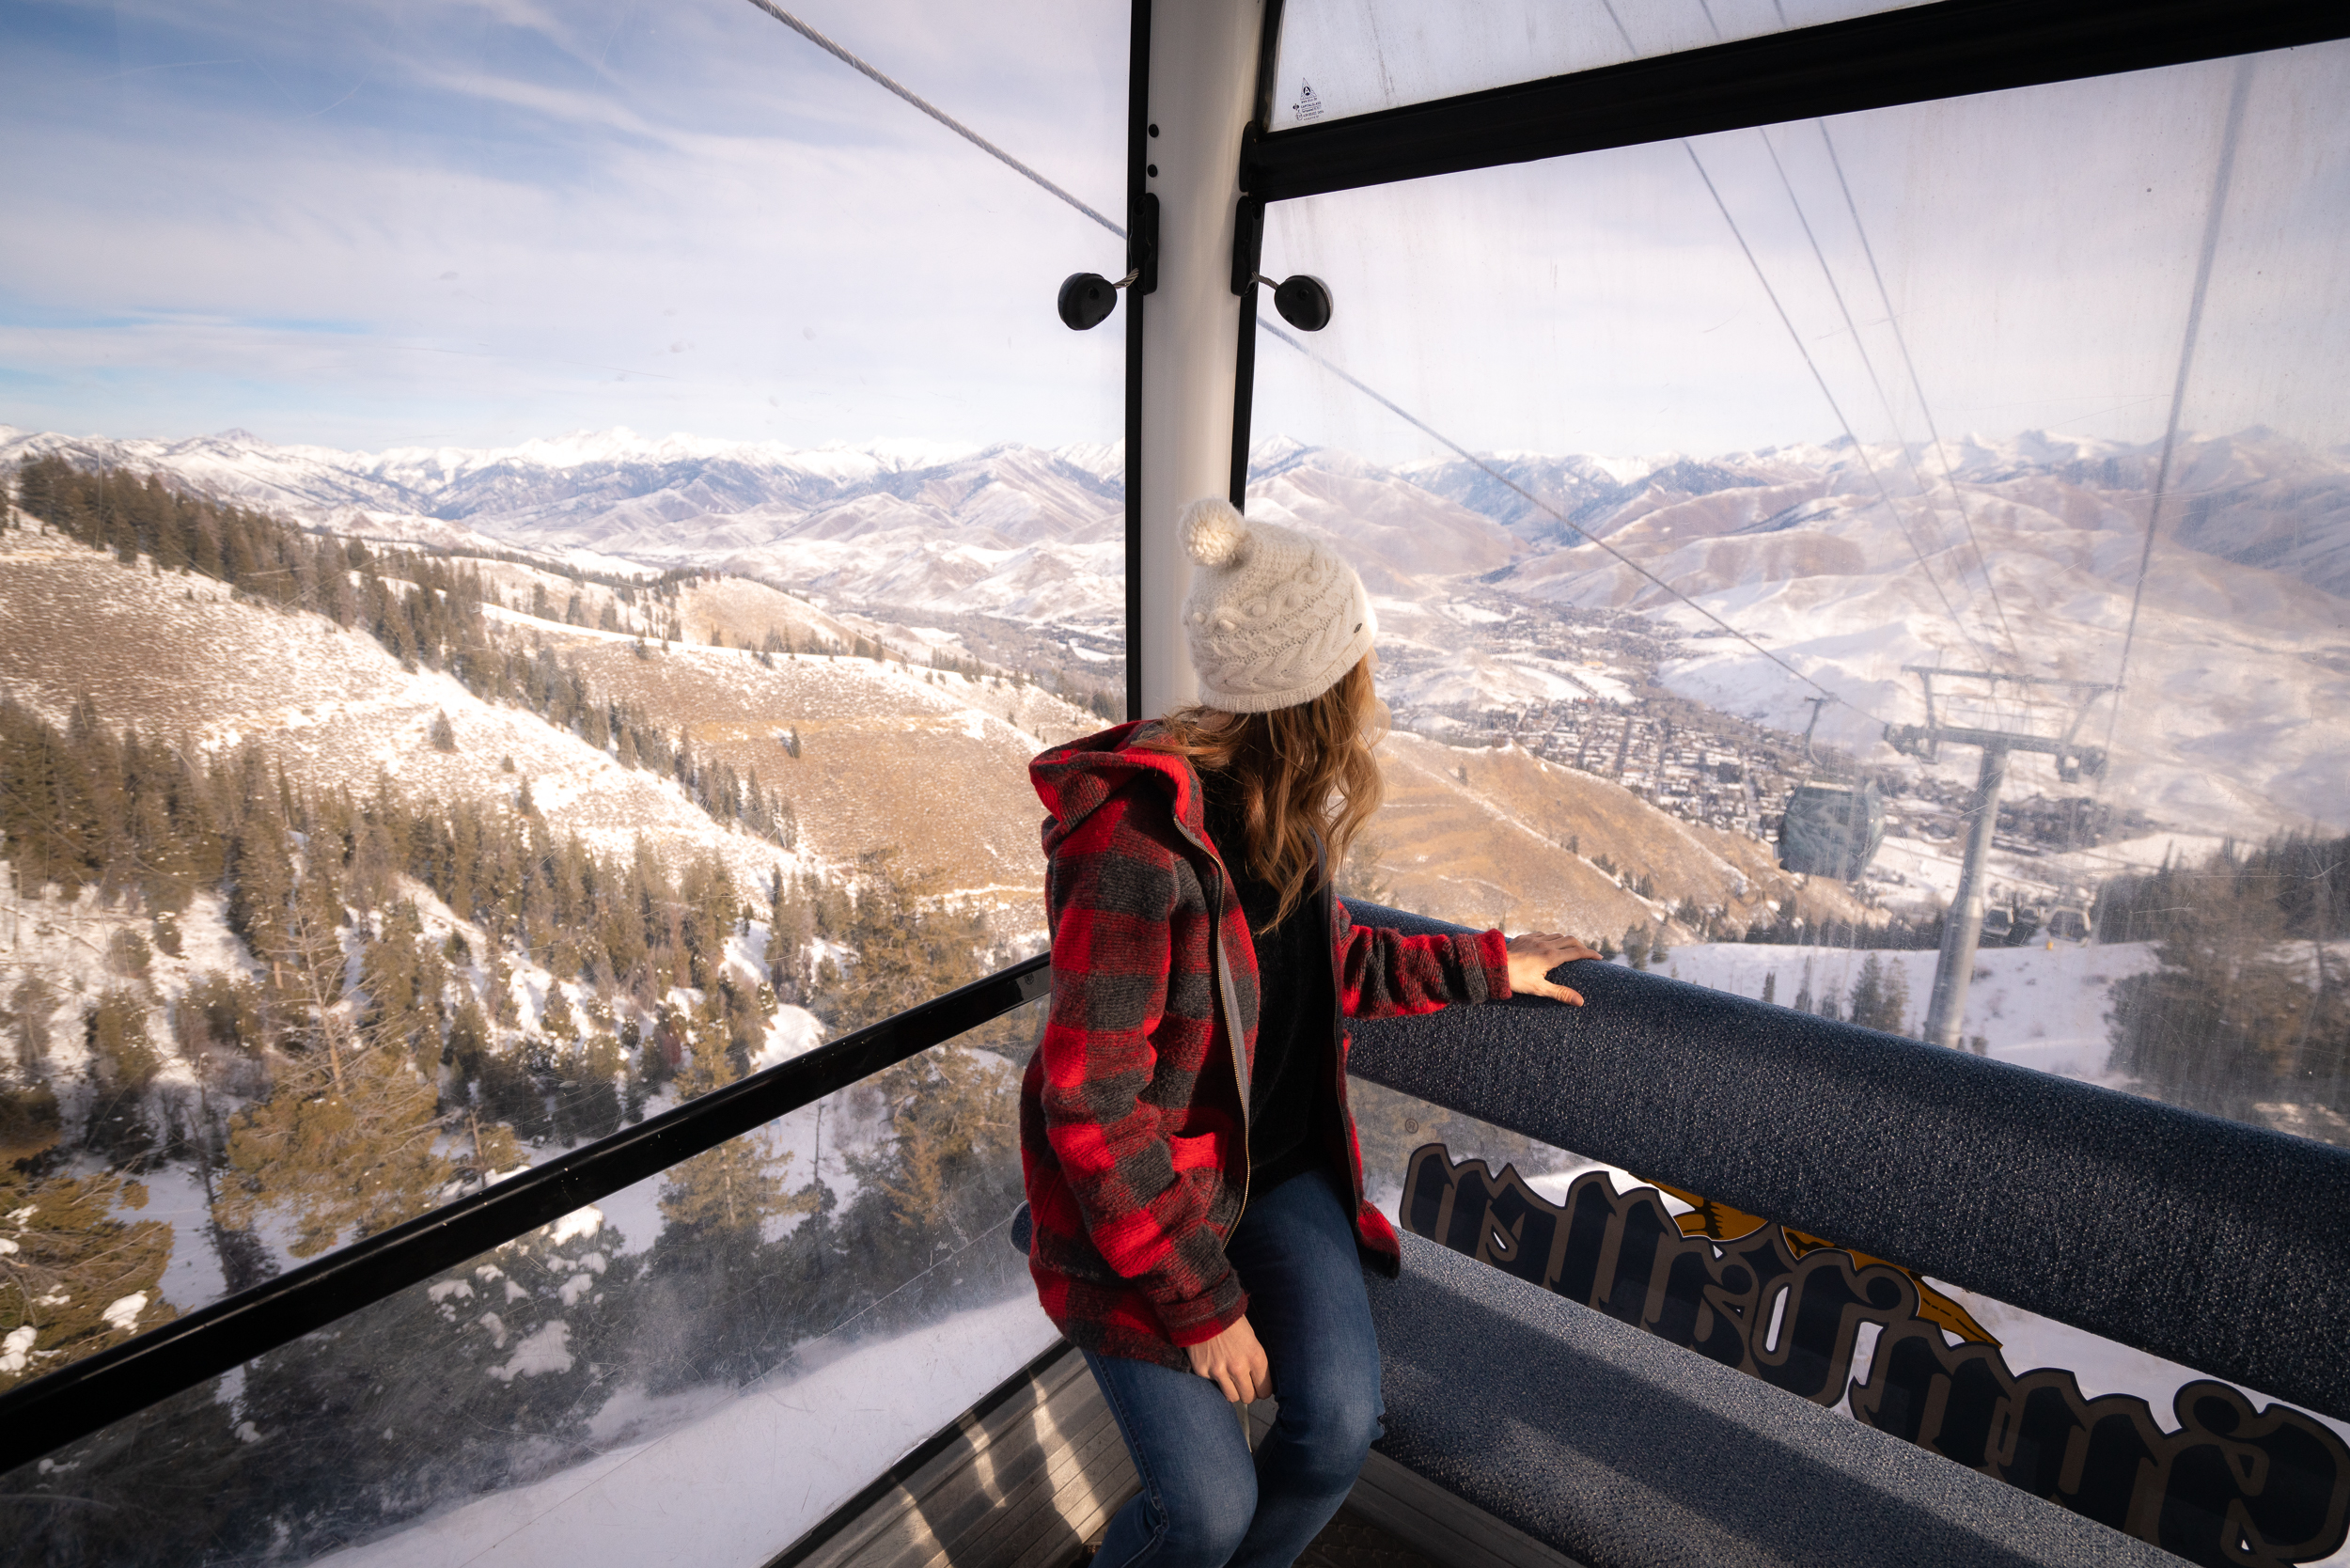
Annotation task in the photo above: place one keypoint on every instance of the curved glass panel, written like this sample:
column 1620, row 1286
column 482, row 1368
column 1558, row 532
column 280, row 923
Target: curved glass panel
column 1727, row 504
column 519, row 520
column 1730, row 503
column 1342, row 58
column 697, row 1368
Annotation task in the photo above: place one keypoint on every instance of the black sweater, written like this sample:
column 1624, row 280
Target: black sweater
column 1296, row 1014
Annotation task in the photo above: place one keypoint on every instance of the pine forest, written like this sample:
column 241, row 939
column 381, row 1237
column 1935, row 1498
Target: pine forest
column 317, row 1009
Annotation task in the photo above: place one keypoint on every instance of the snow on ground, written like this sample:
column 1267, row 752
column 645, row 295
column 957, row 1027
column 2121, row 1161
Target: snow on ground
column 2041, row 1006
column 175, row 1195
column 177, row 655
column 1926, row 871
column 2229, row 685
column 749, row 1473
column 793, row 1032
column 2233, row 666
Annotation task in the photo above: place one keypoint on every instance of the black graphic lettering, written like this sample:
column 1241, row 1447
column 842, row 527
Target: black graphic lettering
column 2232, row 1486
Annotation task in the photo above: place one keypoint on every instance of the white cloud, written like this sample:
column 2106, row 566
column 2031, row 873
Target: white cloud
column 479, row 221
column 709, row 225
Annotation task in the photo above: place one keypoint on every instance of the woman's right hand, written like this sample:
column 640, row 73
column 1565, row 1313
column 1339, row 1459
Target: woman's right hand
column 1235, row 1362
column 1534, row 955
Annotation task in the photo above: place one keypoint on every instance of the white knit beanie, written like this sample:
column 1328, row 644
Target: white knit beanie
column 1275, row 618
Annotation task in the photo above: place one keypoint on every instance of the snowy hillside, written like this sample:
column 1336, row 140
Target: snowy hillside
column 179, row 656
column 2042, row 1007
column 2018, row 554
column 895, row 521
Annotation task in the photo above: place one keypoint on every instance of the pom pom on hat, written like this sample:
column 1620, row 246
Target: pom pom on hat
column 1214, row 533
column 1275, row 618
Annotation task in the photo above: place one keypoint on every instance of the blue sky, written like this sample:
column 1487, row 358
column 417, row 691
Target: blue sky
column 449, row 221
column 472, row 222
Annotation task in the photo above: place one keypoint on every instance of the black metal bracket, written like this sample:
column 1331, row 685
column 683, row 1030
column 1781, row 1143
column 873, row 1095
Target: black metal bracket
column 1248, row 241
column 1914, row 55
column 1142, row 243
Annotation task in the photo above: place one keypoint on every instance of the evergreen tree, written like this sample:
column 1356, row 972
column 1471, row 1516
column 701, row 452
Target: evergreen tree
column 77, row 1279
column 2231, row 1009
column 588, row 1098
column 711, row 1267
column 1365, row 875
column 556, row 1019
column 904, row 949
column 949, row 1168
column 32, row 1006
column 1880, row 996
column 502, row 1364
column 48, row 805
column 345, row 1142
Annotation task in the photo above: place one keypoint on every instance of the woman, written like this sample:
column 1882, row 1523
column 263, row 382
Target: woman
column 1199, row 1222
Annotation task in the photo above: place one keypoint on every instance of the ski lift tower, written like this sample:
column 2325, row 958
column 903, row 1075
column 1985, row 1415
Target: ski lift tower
column 1962, row 927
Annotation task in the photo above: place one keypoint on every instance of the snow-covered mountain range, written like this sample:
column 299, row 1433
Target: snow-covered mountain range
column 2021, row 554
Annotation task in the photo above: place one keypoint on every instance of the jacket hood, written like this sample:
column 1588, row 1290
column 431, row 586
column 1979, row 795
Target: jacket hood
column 1075, row 780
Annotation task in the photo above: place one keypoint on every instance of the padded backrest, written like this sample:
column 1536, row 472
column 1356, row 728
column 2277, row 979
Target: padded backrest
column 2207, row 1242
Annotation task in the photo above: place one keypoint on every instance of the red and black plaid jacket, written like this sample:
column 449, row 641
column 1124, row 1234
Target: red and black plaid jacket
column 1134, row 1132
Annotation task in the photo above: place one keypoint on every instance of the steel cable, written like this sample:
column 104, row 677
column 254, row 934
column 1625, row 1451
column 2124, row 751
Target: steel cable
column 1901, row 341
column 2223, row 174
column 820, row 42
column 1802, row 348
column 989, row 147
column 1925, row 409
column 1585, row 534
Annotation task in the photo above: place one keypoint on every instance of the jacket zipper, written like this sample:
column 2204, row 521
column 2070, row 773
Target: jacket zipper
column 1232, row 1009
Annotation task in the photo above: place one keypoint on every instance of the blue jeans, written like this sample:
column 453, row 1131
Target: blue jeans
column 1206, row 1501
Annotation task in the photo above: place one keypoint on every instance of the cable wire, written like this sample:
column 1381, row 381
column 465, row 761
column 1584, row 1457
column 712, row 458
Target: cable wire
column 820, row 42
column 1803, row 349
column 1901, row 341
column 1868, row 363
column 1008, row 161
column 2221, row 177
column 1585, row 534
column 1811, row 364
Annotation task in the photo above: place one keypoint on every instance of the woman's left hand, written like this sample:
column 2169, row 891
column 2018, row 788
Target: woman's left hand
column 1534, row 955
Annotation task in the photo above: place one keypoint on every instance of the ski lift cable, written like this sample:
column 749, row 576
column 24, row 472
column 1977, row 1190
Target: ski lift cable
column 1811, row 364
column 820, row 42
column 1901, row 341
column 1868, row 363
column 1008, row 161
column 1588, row 537
column 1804, row 350
column 2223, row 173
column 1796, row 336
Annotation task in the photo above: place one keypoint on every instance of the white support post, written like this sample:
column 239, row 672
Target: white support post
column 1962, row 925
column 1203, row 75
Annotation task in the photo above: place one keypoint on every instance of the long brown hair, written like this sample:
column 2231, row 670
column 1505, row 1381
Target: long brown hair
column 1299, row 772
